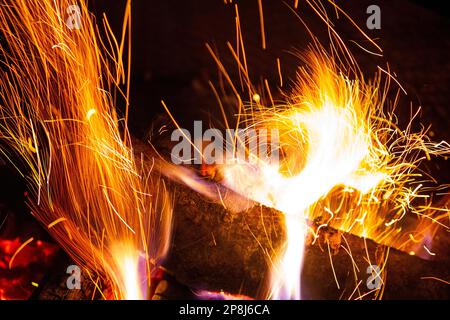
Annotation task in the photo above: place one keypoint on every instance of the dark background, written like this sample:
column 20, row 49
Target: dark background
column 170, row 60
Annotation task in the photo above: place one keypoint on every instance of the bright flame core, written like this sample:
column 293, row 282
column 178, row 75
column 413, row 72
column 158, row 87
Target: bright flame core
column 130, row 274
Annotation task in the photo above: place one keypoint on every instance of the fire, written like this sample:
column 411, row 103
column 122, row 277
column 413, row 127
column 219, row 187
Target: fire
column 58, row 119
column 128, row 261
column 345, row 162
column 328, row 140
column 343, row 159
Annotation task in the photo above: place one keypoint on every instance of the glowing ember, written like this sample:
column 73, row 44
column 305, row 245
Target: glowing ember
column 210, row 295
column 28, row 267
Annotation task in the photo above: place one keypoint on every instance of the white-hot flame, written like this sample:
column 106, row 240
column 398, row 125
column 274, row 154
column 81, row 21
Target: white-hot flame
column 327, row 141
column 337, row 147
column 132, row 273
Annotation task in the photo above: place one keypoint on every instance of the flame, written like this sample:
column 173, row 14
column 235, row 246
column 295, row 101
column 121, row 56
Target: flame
column 343, row 159
column 128, row 261
column 345, row 162
column 59, row 127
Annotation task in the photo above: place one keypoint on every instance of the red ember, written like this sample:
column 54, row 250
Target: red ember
column 28, row 267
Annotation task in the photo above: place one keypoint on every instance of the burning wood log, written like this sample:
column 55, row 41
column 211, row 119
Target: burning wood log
column 215, row 249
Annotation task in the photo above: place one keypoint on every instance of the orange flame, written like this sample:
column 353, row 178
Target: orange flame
column 345, row 164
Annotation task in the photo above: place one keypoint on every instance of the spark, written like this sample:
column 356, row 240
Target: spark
column 80, row 164
column 428, row 250
column 23, row 245
column 51, row 225
column 280, row 75
column 90, row 113
column 261, row 22
column 256, row 98
column 332, row 265
column 435, row 278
